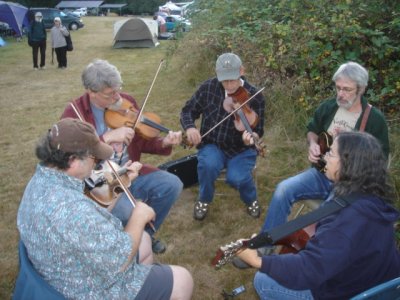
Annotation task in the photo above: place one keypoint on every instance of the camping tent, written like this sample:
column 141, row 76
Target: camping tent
column 135, row 33
column 14, row 15
column 171, row 8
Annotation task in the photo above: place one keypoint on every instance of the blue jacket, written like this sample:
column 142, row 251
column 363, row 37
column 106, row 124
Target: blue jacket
column 352, row 251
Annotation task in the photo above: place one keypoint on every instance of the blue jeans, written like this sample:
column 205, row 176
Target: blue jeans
column 211, row 161
column 310, row 184
column 267, row 288
column 158, row 189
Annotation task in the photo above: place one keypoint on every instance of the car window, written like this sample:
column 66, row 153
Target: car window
column 62, row 14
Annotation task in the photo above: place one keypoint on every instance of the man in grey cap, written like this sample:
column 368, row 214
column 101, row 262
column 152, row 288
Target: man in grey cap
column 225, row 146
column 37, row 37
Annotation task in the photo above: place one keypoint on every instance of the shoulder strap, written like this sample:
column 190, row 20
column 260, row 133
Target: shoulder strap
column 365, row 117
column 279, row 232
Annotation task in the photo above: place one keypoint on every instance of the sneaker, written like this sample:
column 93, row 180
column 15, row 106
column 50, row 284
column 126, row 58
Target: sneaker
column 35, row 68
column 254, row 209
column 200, row 210
column 157, row 246
column 43, row 68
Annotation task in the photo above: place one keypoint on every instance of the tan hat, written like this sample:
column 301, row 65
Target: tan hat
column 73, row 135
column 57, row 19
column 228, row 66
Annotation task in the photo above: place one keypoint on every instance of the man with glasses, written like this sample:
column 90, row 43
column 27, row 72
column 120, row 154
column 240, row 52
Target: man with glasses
column 159, row 189
column 348, row 111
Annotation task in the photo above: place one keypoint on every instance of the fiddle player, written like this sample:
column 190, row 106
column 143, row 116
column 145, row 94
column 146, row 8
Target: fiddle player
column 353, row 249
column 225, row 146
column 158, row 188
column 78, row 246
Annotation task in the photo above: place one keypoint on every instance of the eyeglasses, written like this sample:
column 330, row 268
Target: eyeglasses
column 345, row 90
column 112, row 94
column 329, row 154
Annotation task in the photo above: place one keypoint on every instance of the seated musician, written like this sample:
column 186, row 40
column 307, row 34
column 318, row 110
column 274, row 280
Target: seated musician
column 78, row 246
column 225, row 146
column 353, row 249
column 157, row 188
column 345, row 112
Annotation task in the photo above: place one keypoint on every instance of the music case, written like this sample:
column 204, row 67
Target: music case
column 185, row 168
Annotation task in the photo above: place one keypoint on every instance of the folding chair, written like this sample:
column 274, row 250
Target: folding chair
column 389, row 290
column 30, row 284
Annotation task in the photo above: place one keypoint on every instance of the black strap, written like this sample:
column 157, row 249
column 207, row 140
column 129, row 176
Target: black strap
column 279, row 232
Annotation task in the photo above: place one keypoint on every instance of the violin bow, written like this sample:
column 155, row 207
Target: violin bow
column 147, row 95
column 232, row 112
column 124, row 188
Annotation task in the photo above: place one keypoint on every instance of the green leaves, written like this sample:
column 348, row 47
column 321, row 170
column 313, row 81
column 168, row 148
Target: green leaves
column 306, row 40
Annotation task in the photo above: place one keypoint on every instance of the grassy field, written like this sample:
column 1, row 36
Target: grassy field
column 31, row 101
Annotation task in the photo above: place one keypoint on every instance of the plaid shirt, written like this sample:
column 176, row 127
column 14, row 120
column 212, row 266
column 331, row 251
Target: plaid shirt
column 207, row 101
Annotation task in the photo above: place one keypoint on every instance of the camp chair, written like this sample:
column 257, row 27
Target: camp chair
column 389, row 290
column 30, row 284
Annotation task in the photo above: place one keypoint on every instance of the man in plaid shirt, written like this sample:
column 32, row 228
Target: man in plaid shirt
column 225, row 146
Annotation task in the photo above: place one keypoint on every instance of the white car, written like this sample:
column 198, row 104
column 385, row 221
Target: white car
column 80, row 12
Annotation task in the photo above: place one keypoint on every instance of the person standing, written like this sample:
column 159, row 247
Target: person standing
column 37, row 37
column 58, row 42
column 158, row 188
column 78, row 246
column 225, row 146
column 161, row 23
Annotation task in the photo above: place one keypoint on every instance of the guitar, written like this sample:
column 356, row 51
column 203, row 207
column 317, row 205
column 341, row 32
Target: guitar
column 292, row 243
column 325, row 142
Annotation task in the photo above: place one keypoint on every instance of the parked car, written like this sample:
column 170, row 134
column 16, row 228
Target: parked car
column 69, row 20
column 176, row 23
column 80, row 12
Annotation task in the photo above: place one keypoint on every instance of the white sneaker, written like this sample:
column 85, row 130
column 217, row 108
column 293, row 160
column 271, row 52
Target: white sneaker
column 35, row 68
column 43, row 68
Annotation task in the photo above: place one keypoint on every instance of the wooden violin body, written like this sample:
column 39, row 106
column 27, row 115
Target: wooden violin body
column 126, row 115
column 245, row 117
column 148, row 126
column 103, row 186
column 239, row 97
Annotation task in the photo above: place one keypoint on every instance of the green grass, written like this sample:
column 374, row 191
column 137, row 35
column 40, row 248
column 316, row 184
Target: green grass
column 31, row 101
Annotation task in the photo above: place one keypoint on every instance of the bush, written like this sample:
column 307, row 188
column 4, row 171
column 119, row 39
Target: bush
column 307, row 41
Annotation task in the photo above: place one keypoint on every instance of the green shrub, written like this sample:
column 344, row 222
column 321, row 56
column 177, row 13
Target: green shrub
column 307, row 40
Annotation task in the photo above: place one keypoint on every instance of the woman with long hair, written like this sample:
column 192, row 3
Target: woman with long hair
column 353, row 249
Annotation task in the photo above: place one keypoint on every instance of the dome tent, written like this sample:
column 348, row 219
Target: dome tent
column 135, row 33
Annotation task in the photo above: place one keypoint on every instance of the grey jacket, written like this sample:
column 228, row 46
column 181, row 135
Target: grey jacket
column 58, row 35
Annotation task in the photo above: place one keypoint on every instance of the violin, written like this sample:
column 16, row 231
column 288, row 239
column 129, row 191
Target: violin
column 126, row 115
column 245, row 117
column 239, row 97
column 103, row 186
column 148, row 126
